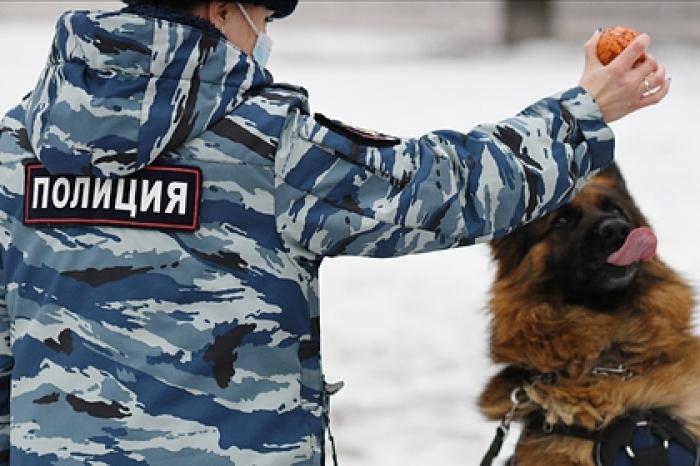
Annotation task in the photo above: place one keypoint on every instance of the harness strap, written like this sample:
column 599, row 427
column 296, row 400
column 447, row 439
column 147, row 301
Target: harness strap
column 645, row 438
column 537, row 423
column 675, row 430
column 332, row 440
column 330, row 389
column 495, row 447
column 518, row 397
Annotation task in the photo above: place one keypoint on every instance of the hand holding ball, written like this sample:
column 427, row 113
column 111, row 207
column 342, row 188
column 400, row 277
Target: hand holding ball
column 620, row 75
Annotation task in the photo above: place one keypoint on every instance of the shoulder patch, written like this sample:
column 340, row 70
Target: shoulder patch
column 290, row 87
column 156, row 197
column 360, row 136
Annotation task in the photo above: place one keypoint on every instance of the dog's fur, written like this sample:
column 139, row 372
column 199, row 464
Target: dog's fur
column 557, row 306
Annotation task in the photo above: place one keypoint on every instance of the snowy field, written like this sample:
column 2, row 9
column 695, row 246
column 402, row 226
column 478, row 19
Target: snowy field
column 409, row 335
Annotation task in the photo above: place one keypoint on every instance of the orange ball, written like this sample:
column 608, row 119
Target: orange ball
column 613, row 41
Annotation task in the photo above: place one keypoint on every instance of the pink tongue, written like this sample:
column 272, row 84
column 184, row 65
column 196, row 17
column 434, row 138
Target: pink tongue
column 640, row 245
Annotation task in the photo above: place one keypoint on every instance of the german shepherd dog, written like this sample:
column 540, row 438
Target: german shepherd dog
column 590, row 325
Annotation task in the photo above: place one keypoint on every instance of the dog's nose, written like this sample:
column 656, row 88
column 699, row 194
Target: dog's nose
column 612, row 233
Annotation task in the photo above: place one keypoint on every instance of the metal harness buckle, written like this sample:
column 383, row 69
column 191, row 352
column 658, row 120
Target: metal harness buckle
column 620, row 370
column 518, row 397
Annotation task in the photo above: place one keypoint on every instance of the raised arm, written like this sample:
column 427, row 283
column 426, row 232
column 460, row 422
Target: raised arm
column 341, row 190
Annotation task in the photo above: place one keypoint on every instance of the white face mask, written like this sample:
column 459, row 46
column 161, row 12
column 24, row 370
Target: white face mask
column 263, row 44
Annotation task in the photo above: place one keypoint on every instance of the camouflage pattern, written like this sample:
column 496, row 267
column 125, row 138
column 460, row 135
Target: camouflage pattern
column 341, row 196
column 126, row 346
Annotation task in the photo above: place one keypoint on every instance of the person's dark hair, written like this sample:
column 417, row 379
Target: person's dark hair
column 281, row 8
column 177, row 5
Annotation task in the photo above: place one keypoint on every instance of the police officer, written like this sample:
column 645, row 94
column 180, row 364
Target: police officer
column 165, row 207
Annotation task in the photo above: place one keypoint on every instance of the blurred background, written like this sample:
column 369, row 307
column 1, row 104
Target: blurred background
column 409, row 336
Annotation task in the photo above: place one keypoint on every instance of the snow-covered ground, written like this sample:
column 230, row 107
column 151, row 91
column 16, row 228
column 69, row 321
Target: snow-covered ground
column 409, row 335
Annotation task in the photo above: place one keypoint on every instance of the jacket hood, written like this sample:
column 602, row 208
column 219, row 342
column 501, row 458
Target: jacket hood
column 120, row 89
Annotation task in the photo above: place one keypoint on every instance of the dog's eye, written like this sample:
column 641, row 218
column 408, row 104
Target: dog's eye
column 562, row 222
column 566, row 217
column 609, row 206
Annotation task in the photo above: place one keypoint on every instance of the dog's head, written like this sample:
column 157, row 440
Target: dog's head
column 588, row 252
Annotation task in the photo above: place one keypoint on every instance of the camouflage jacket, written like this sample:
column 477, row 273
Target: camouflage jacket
column 164, row 210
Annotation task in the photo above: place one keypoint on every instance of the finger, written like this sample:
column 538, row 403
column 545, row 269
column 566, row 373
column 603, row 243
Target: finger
column 648, row 66
column 656, row 79
column 655, row 97
column 650, row 56
column 590, row 47
column 633, row 51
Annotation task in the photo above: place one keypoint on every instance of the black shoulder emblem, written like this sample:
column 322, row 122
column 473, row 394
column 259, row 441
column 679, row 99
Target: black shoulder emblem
column 364, row 137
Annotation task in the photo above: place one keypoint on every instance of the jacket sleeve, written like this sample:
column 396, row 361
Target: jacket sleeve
column 6, row 365
column 342, row 191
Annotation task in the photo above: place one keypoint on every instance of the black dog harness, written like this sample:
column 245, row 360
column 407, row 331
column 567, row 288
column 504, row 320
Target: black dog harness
column 637, row 438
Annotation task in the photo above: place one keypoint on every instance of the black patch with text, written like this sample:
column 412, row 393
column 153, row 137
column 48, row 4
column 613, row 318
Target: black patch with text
column 156, row 197
column 364, row 137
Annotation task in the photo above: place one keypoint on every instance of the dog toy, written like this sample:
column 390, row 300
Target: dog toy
column 613, row 41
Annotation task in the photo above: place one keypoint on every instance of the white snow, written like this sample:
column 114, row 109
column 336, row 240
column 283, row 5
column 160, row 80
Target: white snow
column 409, row 335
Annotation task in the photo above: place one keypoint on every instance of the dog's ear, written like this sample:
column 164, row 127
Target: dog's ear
column 616, row 181
column 613, row 174
column 508, row 251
